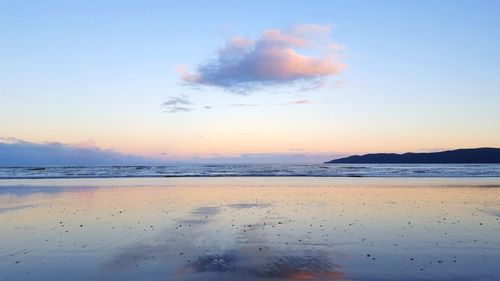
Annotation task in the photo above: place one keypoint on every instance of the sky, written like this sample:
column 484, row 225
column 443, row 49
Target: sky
column 257, row 80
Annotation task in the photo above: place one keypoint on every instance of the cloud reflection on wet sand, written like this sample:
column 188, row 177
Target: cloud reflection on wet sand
column 251, row 256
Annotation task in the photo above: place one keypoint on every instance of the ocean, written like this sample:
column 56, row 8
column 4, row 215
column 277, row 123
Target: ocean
column 255, row 170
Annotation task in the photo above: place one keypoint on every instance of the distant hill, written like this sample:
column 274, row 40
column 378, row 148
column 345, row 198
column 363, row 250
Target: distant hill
column 459, row 156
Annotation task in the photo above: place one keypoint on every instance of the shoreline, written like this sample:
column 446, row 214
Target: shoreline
column 418, row 182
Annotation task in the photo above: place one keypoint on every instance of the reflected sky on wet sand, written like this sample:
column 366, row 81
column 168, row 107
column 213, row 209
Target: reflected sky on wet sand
column 250, row 229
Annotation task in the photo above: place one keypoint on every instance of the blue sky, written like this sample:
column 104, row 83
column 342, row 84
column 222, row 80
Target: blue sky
column 418, row 75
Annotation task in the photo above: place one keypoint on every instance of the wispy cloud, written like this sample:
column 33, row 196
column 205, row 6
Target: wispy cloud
column 302, row 55
column 177, row 104
column 302, row 101
column 246, row 133
column 294, row 102
column 243, row 105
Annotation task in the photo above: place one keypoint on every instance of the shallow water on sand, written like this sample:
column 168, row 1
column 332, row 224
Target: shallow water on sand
column 250, row 229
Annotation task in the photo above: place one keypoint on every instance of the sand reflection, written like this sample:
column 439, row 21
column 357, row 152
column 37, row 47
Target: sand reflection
column 253, row 229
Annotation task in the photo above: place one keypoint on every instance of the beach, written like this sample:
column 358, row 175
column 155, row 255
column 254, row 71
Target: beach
column 250, row 228
column 249, row 140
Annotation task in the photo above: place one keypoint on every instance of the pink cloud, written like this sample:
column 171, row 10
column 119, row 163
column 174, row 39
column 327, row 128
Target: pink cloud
column 303, row 54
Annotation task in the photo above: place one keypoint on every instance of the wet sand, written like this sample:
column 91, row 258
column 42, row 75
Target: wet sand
column 250, row 229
